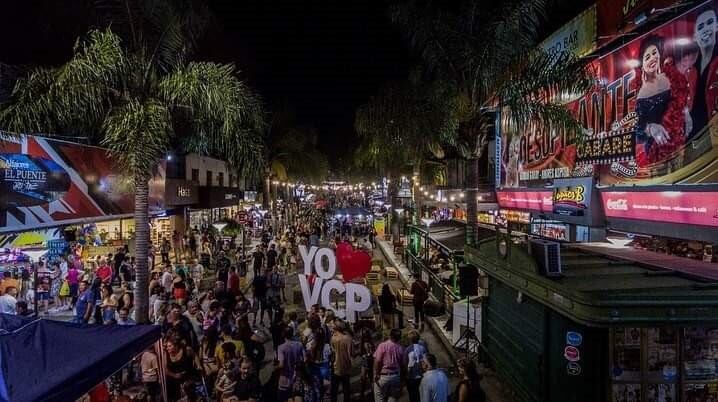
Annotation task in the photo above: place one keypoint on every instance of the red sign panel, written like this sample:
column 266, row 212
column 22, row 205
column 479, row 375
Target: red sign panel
column 691, row 208
column 532, row 200
column 646, row 122
column 46, row 183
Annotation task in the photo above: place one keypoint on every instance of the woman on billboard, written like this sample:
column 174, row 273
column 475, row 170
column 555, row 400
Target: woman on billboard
column 661, row 104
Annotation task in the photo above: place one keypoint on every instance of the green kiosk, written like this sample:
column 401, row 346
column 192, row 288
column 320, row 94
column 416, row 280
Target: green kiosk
column 594, row 329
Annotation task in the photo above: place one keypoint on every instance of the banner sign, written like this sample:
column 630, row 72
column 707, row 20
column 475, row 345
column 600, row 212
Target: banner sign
column 572, row 197
column 646, row 121
column 317, row 287
column 577, row 37
column 685, row 207
column 532, row 200
column 46, row 183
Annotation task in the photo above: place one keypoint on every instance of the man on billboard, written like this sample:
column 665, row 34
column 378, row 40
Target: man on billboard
column 704, row 34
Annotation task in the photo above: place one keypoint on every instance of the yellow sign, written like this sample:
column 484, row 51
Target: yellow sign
column 577, row 37
column 574, row 194
column 379, row 227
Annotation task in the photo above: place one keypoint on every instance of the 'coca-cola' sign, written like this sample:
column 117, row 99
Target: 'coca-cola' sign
column 687, row 207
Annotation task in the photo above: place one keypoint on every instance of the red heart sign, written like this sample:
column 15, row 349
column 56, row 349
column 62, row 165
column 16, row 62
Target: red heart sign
column 353, row 263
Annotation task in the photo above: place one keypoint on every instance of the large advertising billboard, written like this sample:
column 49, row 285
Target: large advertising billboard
column 46, row 183
column 647, row 121
column 686, row 207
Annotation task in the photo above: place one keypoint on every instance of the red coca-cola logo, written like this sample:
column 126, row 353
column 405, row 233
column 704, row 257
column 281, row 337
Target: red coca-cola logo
column 571, row 354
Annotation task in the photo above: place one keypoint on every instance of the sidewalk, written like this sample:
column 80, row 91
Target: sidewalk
column 490, row 383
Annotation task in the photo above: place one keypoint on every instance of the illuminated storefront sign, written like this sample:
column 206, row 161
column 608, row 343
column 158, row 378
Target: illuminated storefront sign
column 550, row 230
column 572, row 197
column 532, row 200
column 690, row 207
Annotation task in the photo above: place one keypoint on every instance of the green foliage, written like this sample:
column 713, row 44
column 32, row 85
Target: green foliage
column 405, row 123
column 140, row 109
column 485, row 52
column 291, row 149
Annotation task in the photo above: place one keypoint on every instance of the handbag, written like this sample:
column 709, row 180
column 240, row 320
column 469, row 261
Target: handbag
column 65, row 288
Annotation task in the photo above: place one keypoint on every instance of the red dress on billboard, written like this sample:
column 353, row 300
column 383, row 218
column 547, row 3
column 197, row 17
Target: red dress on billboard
column 665, row 108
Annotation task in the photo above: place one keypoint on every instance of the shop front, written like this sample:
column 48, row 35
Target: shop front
column 607, row 330
column 215, row 204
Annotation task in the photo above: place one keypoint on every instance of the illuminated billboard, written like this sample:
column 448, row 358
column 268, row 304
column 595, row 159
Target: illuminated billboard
column 647, row 121
column 47, row 183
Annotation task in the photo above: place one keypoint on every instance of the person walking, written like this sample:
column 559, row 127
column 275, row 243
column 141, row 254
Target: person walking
column 469, row 387
column 388, row 368
column 419, row 291
column 414, row 355
column 258, row 260
column 342, row 352
column 434, row 384
column 289, row 355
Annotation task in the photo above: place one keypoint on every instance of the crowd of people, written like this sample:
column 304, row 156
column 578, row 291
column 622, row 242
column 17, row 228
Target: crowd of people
column 215, row 336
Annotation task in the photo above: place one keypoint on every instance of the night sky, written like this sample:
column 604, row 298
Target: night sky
column 322, row 57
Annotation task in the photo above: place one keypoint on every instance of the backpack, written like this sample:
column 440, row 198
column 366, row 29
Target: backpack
column 255, row 351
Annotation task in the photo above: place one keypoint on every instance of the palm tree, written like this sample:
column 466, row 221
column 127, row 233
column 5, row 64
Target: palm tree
column 291, row 152
column 485, row 53
column 144, row 100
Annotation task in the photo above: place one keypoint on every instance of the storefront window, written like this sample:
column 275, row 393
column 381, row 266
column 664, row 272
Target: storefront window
column 661, row 354
column 626, row 354
column 700, row 354
column 646, row 365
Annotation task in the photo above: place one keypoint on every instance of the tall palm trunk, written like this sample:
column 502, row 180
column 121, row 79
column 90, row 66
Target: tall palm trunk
column 142, row 245
column 472, row 193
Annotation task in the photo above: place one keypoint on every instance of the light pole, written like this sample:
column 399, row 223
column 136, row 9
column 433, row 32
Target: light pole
column 427, row 222
column 399, row 211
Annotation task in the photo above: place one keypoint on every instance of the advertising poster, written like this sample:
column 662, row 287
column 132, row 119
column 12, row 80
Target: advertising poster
column 645, row 122
column 45, row 183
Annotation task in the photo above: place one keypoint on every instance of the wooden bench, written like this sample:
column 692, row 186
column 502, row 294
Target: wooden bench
column 391, row 273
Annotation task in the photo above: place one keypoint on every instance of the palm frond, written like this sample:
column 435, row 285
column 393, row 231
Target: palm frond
column 75, row 94
column 137, row 135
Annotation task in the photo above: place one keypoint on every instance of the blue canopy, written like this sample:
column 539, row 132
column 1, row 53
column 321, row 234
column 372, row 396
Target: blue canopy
column 45, row 360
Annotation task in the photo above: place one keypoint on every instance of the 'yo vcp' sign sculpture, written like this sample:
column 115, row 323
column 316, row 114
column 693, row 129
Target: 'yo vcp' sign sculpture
column 318, row 280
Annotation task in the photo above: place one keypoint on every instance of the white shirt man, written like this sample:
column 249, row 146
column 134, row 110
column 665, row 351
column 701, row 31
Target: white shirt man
column 167, row 281
column 8, row 301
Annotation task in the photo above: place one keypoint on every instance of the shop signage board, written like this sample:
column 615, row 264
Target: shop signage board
column 46, row 183
column 572, row 197
column 219, row 197
column 181, row 192
column 531, row 200
column 318, row 281
column 686, row 207
column 578, row 37
column 632, row 134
